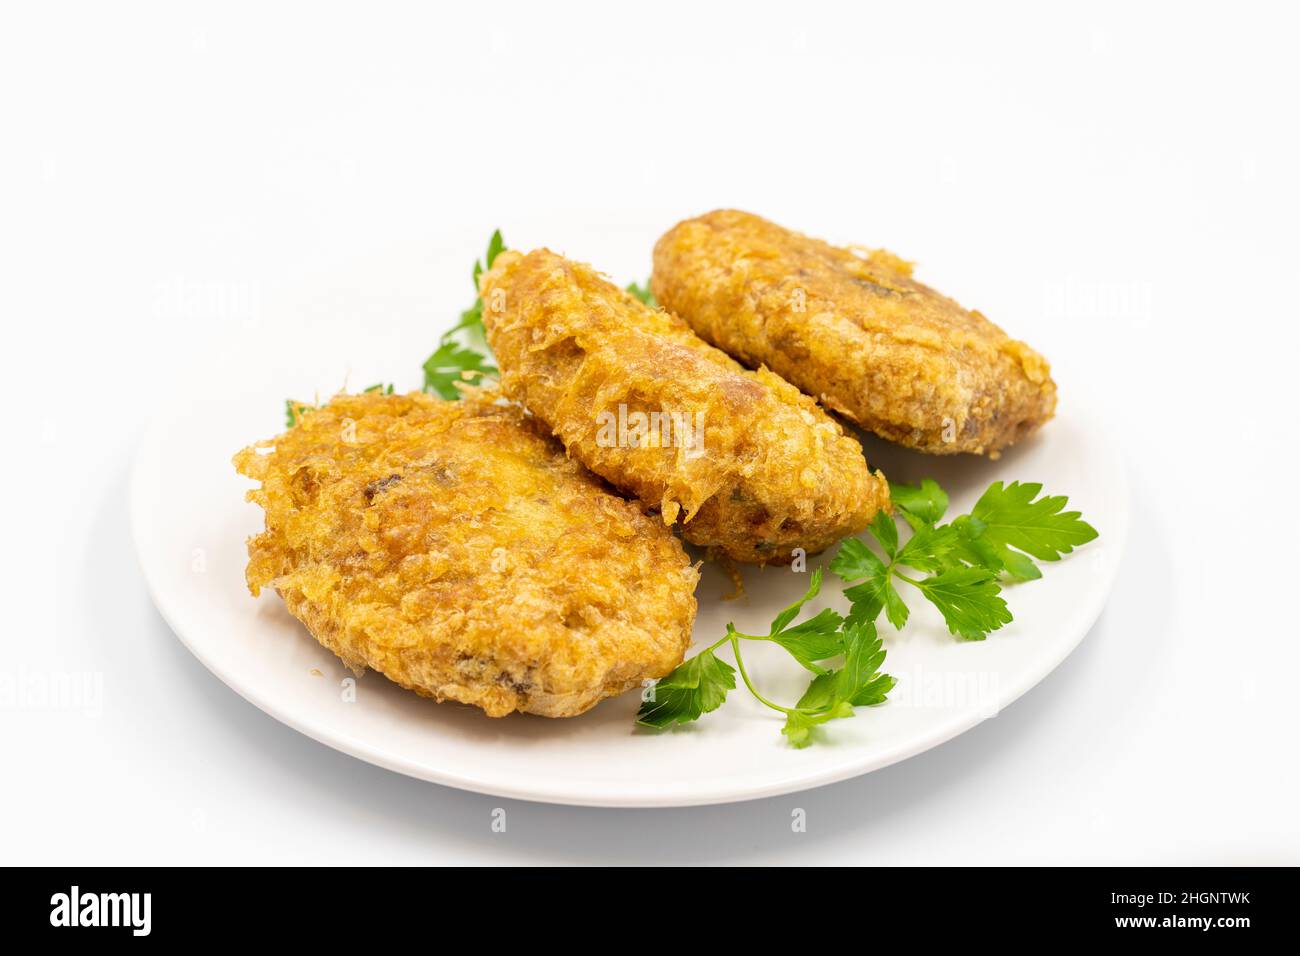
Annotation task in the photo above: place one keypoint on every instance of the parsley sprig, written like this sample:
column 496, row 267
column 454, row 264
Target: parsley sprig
column 455, row 361
column 965, row 558
column 962, row 565
column 700, row 685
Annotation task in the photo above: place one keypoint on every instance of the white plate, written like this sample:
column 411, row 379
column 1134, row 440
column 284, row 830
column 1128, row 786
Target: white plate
column 190, row 523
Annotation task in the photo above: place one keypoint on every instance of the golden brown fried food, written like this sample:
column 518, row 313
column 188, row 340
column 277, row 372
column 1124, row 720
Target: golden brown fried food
column 752, row 468
column 454, row 548
column 856, row 331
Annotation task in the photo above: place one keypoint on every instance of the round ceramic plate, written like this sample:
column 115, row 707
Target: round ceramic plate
column 190, row 523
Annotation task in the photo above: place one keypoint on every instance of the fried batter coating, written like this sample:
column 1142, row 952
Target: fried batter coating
column 853, row 328
column 752, row 468
column 453, row 547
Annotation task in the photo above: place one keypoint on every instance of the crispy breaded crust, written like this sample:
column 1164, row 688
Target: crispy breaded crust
column 856, row 331
column 453, row 547
column 776, row 472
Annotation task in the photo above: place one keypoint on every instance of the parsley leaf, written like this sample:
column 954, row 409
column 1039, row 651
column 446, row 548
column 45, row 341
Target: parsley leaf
column 496, row 246
column 854, row 562
column 643, row 293
column 873, row 595
column 453, row 363
column 885, row 530
column 816, row 639
column 1011, row 518
column 923, row 505
column 968, row 599
column 471, row 319
column 799, row 724
column 696, row 687
column 834, row 694
column 970, row 549
column 823, row 688
column 895, row 609
column 294, row 411
column 820, row 693
column 790, row 613
column 859, row 681
column 931, row 548
column 701, row 683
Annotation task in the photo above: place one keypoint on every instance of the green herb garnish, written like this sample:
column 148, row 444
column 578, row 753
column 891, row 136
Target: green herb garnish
column 962, row 562
column 293, row 412
column 965, row 557
column 454, row 362
column 700, row 685
column 643, row 293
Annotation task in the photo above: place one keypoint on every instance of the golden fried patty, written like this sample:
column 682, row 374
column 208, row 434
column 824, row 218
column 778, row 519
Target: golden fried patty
column 854, row 330
column 453, row 547
column 748, row 465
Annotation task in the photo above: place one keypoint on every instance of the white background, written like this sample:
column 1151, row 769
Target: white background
column 182, row 191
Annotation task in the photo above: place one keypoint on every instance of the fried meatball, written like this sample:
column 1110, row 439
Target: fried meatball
column 742, row 461
column 453, row 547
column 852, row 328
